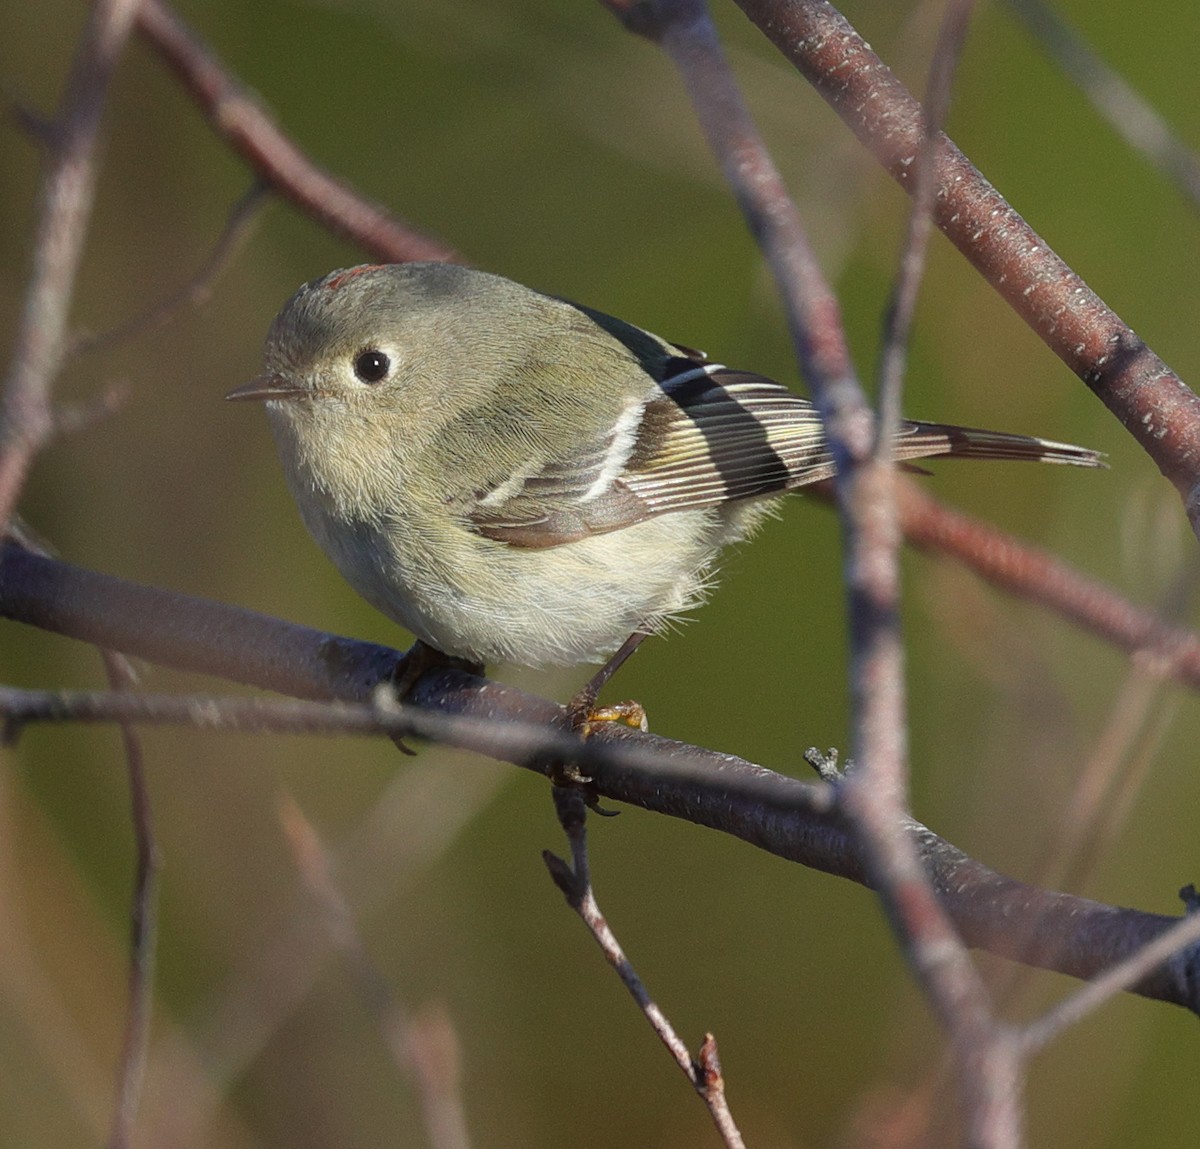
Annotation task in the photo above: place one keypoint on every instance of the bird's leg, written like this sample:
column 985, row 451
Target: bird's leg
column 418, row 660
column 582, row 714
column 582, row 710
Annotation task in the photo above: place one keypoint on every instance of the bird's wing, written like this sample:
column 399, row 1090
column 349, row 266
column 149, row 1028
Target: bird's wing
column 717, row 435
column 706, row 435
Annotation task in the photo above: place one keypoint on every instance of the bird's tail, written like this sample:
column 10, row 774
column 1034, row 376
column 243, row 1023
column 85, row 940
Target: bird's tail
column 929, row 440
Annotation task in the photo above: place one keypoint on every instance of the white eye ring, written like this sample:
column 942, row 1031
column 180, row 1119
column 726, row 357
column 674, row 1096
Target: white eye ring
column 372, row 365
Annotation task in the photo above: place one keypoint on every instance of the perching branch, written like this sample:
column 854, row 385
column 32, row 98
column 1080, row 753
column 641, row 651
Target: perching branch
column 786, row 817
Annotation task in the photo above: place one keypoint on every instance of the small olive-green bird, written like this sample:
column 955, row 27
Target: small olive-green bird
column 517, row 478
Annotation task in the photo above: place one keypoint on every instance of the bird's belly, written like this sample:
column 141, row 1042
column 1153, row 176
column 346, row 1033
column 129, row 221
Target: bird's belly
column 494, row 603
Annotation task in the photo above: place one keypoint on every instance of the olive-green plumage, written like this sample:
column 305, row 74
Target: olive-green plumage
column 515, row 478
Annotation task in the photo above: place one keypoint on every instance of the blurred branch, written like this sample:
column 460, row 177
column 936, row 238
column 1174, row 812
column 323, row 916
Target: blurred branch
column 143, row 920
column 902, row 304
column 1105, row 986
column 781, row 815
column 425, row 1049
column 1154, row 405
column 240, row 119
column 574, row 880
column 1029, row 572
column 238, row 225
column 27, row 418
column 1129, row 114
column 143, row 913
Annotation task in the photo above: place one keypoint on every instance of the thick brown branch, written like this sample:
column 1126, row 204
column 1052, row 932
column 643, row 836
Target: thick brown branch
column 1153, row 404
column 781, row 815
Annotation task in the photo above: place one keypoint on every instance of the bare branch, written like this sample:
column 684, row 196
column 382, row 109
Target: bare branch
column 575, row 882
column 26, row 415
column 1154, row 405
column 1029, row 572
column 241, row 220
column 1172, row 946
column 902, row 305
column 876, row 797
column 143, row 921
column 241, row 120
column 424, row 1050
column 782, row 815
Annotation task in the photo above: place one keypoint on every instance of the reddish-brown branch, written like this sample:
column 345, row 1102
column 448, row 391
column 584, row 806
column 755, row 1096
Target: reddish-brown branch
column 240, row 119
column 1034, row 574
column 1153, row 404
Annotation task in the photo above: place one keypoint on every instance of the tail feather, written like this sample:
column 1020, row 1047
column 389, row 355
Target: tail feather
column 928, row 440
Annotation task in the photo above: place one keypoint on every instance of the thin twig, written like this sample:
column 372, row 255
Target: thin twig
column 1170, row 946
column 1129, row 113
column 236, row 115
column 26, row 415
column 417, row 818
column 1118, row 762
column 986, row 1063
column 143, row 920
column 902, row 305
column 1086, row 830
column 425, row 1051
column 574, row 880
column 197, row 290
column 143, row 914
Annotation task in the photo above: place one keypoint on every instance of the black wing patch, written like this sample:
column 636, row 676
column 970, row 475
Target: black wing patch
column 717, row 435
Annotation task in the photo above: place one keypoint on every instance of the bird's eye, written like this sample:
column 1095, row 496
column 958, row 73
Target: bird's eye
column 372, row 366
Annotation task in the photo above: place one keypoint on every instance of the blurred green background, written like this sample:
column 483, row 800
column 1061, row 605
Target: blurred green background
column 549, row 145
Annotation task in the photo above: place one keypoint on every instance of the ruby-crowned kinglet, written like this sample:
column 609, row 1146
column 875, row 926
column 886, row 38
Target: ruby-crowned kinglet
column 516, row 478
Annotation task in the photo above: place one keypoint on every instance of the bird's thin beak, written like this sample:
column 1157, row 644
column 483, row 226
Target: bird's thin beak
column 267, row 387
